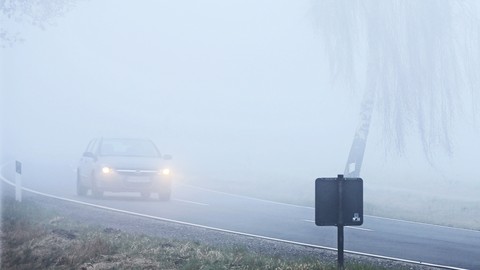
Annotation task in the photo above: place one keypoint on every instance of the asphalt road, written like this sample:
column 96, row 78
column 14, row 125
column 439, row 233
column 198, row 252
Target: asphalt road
column 431, row 244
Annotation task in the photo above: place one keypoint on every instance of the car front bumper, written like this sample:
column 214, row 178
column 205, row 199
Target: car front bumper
column 133, row 182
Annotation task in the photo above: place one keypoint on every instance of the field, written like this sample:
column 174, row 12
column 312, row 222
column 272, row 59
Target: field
column 441, row 202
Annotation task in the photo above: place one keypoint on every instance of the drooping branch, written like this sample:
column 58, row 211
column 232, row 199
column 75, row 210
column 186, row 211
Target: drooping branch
column 417, row 57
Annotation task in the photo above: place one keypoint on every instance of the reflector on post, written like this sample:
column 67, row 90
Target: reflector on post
column 18, row 181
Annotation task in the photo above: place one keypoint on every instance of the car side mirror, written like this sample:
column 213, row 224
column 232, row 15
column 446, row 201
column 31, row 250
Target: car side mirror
column 90, row 155
column 167, row 157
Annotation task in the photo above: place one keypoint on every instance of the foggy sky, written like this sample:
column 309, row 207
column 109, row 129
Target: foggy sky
column 224, row 86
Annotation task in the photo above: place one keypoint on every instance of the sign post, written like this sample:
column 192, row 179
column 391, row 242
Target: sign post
column 340, row 225
column 18, row 181
column 339, row 202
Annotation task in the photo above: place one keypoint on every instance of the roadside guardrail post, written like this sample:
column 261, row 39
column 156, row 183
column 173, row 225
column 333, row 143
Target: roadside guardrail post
column 18, row 181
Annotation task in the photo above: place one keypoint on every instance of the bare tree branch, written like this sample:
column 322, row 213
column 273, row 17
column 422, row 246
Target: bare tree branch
column 14, row 13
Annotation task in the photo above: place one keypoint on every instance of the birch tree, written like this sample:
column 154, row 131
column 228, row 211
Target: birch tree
column 414, row 57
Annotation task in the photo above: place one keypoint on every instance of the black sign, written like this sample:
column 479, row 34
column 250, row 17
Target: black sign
column 18, row 167
column 339, row 201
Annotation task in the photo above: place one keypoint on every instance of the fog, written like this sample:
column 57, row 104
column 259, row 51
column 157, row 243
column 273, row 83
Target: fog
column 232, row 89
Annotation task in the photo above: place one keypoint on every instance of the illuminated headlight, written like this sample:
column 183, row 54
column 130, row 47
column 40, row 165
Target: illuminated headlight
column 106, row 170
column 166, row 171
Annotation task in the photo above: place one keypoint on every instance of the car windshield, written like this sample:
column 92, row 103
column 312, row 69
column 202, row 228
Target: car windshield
column 128, row 147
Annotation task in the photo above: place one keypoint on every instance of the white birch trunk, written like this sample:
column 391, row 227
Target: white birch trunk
column 357, row 150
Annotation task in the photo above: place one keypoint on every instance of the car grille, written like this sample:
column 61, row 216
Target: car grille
column 136, row 172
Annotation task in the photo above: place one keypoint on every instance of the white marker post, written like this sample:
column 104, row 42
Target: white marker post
column 18, row 181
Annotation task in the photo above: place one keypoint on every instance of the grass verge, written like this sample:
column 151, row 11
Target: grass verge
column 34, row 237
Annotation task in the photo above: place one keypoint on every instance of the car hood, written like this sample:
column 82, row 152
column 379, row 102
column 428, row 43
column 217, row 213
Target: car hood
column 150, row 163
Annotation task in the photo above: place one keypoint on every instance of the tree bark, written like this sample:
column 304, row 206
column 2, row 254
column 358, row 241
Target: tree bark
column 357, row 150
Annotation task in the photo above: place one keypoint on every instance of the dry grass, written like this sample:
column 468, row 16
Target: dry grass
column 34, row 238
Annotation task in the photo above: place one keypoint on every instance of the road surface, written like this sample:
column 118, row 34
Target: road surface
column 418, row 242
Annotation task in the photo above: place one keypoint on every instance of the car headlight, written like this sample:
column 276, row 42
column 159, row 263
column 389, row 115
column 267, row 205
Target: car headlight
column 166, row 171
column 106, row 170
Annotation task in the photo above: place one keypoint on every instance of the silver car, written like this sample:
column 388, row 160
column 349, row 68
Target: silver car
column 123, row 165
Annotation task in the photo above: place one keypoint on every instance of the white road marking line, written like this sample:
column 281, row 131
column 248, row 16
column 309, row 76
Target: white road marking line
column 192, row 202
column 358, row 228
column 309, row 220
column 243, row 197
column 348, row 227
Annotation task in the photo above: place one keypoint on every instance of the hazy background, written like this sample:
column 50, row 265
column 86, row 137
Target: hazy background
column 234, row 90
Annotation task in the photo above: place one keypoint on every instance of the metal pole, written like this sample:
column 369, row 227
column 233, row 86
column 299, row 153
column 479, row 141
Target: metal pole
column 340, row 225
column 340, row 246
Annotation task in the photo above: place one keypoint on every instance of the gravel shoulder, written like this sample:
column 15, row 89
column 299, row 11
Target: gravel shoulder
column 110, row 220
